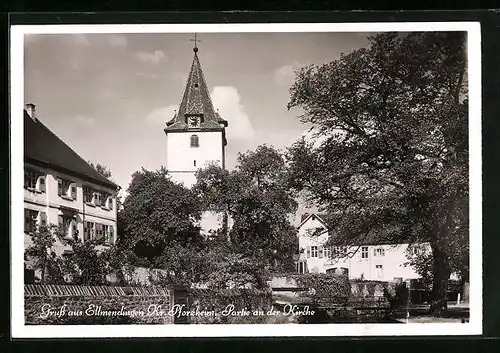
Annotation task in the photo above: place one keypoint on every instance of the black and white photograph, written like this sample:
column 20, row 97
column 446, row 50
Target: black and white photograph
column 258, row 180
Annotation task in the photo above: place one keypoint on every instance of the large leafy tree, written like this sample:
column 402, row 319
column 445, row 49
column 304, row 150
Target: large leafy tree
column 156, row 213
column 100, row 168
column 258, row 203
column 388, row 154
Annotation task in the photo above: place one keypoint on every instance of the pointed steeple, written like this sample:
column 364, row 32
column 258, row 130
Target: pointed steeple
column 196, row 101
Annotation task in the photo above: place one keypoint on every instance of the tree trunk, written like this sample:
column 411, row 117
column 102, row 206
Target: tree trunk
column 439, row 280
column 225, row 226
column 42, row 280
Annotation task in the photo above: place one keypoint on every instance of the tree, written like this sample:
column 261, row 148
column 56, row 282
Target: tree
column 101, row 169
column 40, row 252
column 256, row 199
column 88, row 265
column 388, row 155
column 106, row 172
column 156, row 213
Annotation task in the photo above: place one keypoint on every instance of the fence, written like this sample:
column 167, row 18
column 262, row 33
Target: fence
column 47, row 304
column 96, row 305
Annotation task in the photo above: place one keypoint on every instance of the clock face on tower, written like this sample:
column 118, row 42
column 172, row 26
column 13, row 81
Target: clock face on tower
column 193, row 122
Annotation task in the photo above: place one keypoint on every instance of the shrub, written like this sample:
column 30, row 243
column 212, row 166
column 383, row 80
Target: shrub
column 325, row 288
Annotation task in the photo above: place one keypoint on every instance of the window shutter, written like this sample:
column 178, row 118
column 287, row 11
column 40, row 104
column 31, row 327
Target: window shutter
column 73, row 191
column 41, row 183
column 59, row 187
column 74, row 225
column 111, row 234
column 374, row 251
column 320, row 251
column 43, row 218
column 60, row 222
column 110, row 202
column 308, row 251
column 98, row 229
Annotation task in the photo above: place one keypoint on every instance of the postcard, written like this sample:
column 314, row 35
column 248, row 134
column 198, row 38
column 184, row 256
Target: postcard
column 284, row 179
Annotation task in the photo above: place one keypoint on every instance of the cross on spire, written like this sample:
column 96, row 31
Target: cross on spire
column 195, row 40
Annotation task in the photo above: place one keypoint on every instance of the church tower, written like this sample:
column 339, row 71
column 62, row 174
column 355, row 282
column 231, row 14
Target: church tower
column 196, row 135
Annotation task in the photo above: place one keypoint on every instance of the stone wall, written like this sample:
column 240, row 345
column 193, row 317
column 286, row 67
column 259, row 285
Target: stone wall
column 96, row 305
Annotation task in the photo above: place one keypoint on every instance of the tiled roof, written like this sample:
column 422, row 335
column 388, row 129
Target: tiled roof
column 42, row 146
column 196, row 101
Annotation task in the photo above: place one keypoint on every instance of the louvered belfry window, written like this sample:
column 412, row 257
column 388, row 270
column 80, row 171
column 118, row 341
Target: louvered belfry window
column 195, row 141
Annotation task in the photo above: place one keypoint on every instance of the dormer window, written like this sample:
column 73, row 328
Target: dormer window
column 34, row 180
column 88, row 195
column 195, row 141
column 66, row 189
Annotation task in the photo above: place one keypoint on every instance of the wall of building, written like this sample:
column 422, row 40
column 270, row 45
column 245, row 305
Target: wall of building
column 50, row 202
column 181, row 156
column 392, row 261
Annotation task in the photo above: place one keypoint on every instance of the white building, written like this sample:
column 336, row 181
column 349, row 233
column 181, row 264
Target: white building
column 196, row 137
column 384, row 262
column 61, row 188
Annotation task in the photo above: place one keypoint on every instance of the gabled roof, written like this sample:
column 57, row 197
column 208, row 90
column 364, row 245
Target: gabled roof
column 306, row 216
column 43, row 147
column 196, row 101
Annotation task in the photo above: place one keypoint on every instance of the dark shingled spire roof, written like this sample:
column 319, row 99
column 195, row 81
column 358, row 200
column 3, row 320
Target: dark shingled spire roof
column 42, row 147
column 196, row 101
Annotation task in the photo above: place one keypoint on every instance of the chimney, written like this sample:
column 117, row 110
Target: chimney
column 30, row 109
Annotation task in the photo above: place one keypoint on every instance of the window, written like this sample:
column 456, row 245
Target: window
column 30, row 218
column 195, row 141
column 99, row 232
column 88, row 194
column 308, row 251
column 105, row 231
column 34, row 180
column 88, row 231
column 98, row 199
column 194, row 163
column 328, row 253
column 378, row 252
column 68, row 226
column 30, row 179
column 110, row 202
column 66, row 188
column 320, row 252
column 364, row 252
column 314, row 251
column 337, row 250
column 110, row 235
column 301, row 267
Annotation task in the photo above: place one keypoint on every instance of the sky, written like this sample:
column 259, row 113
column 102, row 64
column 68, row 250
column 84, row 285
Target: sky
column 108, row 96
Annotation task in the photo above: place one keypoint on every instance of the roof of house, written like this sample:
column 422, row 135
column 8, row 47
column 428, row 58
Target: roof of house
column 319, row 216
column 43, row 147
column 196, row 101
column 362, row 240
